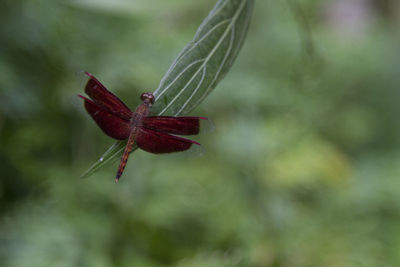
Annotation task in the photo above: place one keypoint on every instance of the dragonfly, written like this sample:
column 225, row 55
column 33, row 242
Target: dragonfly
column 154, row 134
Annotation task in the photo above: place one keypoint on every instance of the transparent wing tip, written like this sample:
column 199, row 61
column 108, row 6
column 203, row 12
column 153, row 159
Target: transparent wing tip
column 206, row 125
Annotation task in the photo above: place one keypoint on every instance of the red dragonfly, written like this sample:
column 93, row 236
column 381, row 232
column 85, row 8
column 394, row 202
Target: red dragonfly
column 154, row 134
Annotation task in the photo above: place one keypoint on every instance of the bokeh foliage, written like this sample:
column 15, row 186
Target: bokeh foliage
column 302, row 169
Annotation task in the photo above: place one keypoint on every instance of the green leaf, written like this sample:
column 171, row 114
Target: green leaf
column 199, row 67
column 205, row 60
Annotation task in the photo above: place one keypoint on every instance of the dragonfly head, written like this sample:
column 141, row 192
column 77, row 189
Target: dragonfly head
column 147, row 98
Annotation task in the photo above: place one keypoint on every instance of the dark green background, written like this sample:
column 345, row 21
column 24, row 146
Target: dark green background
column 302, row 169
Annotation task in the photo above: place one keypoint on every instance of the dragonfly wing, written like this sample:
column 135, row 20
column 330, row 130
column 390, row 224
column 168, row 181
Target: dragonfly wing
column 104, row 98
column 111, row 124
column 158, row 142
column 174, row 125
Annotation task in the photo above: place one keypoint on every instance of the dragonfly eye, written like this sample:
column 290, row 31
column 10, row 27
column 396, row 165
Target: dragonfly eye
column 147, row 96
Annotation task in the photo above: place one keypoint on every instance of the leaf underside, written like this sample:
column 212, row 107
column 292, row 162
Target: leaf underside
column 198, row 68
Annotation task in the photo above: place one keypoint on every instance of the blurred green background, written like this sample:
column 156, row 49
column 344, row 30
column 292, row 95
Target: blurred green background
column 302, row 169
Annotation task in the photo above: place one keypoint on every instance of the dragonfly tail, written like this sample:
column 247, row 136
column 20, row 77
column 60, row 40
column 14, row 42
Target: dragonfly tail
column 124, row 159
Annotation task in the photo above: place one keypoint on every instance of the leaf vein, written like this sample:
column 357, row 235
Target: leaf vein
column 221, row 65
column 194, row 91
column 178, row 76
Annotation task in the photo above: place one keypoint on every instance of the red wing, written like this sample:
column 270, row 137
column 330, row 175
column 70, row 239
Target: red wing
column 173, row 125
column 111, row 124
column 104, row 98
column 158, row 142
